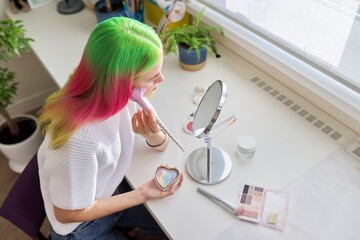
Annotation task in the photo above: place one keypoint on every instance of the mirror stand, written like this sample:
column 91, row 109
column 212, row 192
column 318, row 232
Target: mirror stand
column 208, row 165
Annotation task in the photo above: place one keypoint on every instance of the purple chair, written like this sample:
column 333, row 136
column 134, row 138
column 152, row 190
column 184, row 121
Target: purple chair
column 24, row 206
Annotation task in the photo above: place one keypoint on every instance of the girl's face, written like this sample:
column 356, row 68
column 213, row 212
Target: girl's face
column 151, row 79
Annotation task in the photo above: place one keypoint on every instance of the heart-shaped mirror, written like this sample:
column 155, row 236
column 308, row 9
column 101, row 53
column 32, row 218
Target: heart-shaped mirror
column 165, row 177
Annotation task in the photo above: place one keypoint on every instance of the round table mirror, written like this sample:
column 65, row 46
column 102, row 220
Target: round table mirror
column 209, row 165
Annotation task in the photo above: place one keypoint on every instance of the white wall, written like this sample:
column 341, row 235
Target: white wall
column 35, row 84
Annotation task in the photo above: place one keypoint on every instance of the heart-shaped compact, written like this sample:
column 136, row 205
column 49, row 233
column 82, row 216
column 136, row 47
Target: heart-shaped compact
column 165, row 177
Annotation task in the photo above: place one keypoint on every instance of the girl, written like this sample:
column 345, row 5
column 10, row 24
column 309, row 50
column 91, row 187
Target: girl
column 89, row 127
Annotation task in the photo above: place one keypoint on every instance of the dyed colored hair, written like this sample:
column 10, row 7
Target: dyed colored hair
column 118, row 50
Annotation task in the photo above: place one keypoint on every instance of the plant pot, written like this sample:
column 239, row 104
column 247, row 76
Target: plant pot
column 19, row 151
column 102, row 14
column 188, row 59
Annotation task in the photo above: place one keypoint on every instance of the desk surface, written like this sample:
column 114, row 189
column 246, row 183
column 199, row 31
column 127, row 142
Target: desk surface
column 287, row 145
column 58, row 52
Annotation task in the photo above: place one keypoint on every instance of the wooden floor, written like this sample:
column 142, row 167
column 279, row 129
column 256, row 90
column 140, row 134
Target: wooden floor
column 7, row 179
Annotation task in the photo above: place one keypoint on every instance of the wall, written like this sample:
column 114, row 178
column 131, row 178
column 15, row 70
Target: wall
column 35, row 84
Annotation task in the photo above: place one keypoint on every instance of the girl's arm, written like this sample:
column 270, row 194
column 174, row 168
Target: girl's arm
column 116, row 203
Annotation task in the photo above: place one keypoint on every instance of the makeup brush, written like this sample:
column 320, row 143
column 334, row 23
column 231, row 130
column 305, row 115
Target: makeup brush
column 137, row 96
column 230, row 120
column 235, row 210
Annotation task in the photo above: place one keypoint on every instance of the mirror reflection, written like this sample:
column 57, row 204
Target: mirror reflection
column 209, row 165
column 209, row 109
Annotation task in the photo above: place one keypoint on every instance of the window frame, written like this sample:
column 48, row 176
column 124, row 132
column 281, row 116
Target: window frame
column 330, row 95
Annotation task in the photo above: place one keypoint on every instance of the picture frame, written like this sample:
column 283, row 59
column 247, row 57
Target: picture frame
column 39, row 3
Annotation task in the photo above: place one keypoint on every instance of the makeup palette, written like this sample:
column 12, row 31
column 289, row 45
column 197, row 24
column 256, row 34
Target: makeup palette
column 166, row 177
column 264, row 206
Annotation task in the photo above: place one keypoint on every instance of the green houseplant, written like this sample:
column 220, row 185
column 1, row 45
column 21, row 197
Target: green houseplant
column 17, row 133
column 12, row 43
column 195, row 39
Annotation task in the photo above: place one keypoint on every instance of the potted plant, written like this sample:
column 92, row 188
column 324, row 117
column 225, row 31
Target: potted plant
column 19, row 135
column 193, row 41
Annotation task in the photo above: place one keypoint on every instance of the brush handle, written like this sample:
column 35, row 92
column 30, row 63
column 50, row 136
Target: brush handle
column 215, row 198
column 219, row 122
column 162, row 125
column 146, row 105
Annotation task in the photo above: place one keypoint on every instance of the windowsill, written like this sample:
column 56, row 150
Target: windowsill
column 332, row 97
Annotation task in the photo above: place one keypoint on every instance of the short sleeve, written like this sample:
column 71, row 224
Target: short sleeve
column 133, row 108
column 72, row 172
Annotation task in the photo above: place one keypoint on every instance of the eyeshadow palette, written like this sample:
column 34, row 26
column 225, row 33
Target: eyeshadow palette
column 264, row 206
column 252, row 199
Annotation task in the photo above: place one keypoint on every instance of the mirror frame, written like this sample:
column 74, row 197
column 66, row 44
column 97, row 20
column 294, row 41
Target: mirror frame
column 217, row 110
column 209, row 165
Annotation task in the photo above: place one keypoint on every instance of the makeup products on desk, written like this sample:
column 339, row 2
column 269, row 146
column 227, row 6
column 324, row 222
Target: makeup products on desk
column 257, row 204
column 224, row 122
column 265, row 206
column 246, row 146
column 166, row 177
column 199, row 92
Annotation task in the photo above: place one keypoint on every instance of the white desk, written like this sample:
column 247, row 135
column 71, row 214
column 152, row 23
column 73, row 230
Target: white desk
column 59, row 39
column 288, row 146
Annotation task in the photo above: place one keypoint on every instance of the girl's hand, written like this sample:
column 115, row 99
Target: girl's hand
column 150, row 190
column 144, row 123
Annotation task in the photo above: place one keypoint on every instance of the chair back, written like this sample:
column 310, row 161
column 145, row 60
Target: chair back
column 24, row 205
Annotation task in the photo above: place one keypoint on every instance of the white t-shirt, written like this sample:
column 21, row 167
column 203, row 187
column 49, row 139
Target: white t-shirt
column 88, row 167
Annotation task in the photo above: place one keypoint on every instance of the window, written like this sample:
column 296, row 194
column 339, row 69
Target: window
column 323, row 33
column 318, row 38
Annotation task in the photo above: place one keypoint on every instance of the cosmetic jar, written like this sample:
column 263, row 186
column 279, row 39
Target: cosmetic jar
column 246, row 146
column 198, row 94
column 199, row 90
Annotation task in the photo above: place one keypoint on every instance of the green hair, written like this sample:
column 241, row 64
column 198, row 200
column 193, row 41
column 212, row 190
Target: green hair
column 118, row 51
column 120, row 45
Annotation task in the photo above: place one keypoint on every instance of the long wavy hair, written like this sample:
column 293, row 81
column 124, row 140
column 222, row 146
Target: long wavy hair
column 118, row 50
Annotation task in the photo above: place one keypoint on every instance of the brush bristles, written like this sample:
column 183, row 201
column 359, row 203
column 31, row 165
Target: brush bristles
column 137, row 94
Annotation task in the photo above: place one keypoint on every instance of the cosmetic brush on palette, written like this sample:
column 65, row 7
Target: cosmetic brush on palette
column 257, row 204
